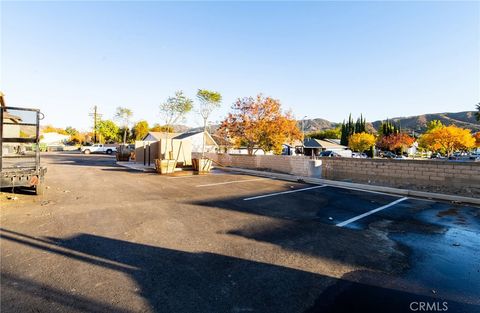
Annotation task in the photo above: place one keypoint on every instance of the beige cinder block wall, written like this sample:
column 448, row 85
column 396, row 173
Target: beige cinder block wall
column 433, row 176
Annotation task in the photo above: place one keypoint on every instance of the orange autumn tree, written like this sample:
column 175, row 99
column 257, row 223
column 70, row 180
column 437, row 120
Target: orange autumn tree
column 477, row 139
column 396, row 142
column 447, row 139
column 259, row 123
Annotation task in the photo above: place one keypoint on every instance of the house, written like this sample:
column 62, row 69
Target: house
column 10, row 129
column 223, row 143
column 197, row 139
column 54, row 139
column 313, row 147
column 335, row 141
column 293, row 148
column 413, row 149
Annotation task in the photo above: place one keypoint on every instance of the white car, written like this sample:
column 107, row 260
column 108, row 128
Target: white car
column 359, row 155
column 98, row 148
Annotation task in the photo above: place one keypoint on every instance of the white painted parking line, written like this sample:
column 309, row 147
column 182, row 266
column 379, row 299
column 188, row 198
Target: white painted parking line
column 282, row 193
column 232, row 182
column 189, row 176
column 356, row 218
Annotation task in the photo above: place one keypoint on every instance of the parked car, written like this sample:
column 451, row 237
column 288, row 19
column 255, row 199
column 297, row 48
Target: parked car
column 464, row 157
column 359, row 155
column 330, row 154
column 98, row 148
column 388, row 154
column 437, row 155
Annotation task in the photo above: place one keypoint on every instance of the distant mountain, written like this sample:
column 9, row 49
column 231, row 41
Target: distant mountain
column 180, row 128
column 316, row 124
column 418, row 123
column 308, row 125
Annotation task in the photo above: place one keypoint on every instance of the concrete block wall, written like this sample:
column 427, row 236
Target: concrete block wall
column 434, row 175
column 462, row 178
column 295, row 165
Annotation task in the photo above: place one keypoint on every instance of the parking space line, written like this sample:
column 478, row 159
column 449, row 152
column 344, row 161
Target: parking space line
column 189, row 176
column 356, row 218
column 231, row 182
column 282, row 193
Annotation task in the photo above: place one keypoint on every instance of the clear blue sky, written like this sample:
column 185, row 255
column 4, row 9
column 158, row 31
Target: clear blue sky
column 321, row 59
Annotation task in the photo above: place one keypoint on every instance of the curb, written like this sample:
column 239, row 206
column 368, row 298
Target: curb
column 357, row 186
column 144, row 169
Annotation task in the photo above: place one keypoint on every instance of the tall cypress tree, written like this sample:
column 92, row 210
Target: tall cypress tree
column 344, row 136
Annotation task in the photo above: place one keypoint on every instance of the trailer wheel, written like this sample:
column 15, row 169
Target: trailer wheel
column 86, row 151
column 39, row 188
column 109, row 151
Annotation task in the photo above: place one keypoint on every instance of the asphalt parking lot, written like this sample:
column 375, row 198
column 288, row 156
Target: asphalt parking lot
column 107, row 239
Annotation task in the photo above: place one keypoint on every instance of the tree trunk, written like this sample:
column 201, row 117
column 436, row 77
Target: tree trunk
column 203, row 140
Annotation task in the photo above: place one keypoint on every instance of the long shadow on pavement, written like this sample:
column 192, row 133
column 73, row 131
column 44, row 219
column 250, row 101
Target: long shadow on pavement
column 178, row 281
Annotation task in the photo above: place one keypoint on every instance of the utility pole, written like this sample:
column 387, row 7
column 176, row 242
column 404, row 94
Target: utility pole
column 303, row 135
column 96, row 117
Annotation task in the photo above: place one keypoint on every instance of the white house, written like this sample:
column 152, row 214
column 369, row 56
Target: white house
column 313, row 147
column 413, row 149
column 54, row 139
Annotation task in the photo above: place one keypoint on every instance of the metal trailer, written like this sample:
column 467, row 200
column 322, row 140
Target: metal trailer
column 20, row 149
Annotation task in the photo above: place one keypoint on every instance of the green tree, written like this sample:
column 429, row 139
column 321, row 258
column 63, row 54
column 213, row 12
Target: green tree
column 209, row 101
column 71, row 131
column 334, row 133
column 477, row 114
column 388, row 128
column 108, row 130
column 350, row 128
column 434, row 124
column 140, row 130
column 124, row 115
column 174, row 109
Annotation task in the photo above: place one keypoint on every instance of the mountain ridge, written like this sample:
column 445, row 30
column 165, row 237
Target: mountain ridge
column 416, row 123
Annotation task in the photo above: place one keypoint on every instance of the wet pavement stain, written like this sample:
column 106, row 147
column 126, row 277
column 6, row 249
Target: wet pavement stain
column 448, row 212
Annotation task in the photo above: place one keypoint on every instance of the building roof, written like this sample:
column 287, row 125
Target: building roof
column 318, row 143
column 335, row 141
column 221, row 141
column 161, row 135
column 187, row 134
column 190, row 134
column 295, row 143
